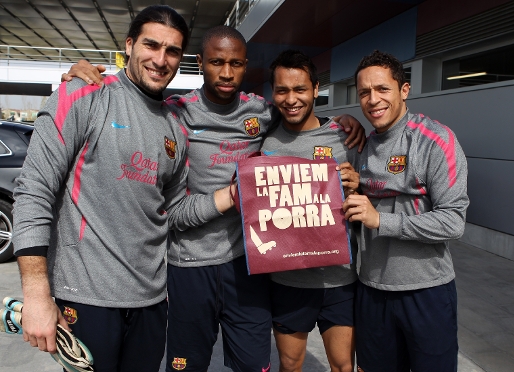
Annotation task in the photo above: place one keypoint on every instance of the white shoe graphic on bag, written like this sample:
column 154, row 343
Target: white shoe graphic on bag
column 262, row 247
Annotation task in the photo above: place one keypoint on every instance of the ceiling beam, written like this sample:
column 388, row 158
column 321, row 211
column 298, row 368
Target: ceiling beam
column 130, row 10
column 27, row 26
column 106, row 24
column 193, row 18
column 68, row 10
column 53, row 26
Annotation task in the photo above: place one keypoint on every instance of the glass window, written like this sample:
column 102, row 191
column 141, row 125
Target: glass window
column 481, row 68
column 4, row 150
column 408, row 72
column 351, row 94
column 322, row 98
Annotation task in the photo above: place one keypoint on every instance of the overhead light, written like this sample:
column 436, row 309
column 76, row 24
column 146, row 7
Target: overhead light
column 466, row 76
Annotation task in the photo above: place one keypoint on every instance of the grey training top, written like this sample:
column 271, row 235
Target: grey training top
column 415, row 175
column 103, row 167
column 325, row 141
column 219, row 136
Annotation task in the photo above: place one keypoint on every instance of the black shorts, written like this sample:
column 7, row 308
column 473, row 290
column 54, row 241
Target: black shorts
column 406, row 330
column 202, row 299
column 299, row 309
column 120, row 339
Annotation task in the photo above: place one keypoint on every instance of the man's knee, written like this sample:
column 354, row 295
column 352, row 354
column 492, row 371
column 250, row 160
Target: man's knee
column 346, row 367
column 342, row 365
column 290, row 363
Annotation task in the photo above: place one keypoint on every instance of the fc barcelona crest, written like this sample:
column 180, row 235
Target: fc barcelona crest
column 170, row 145
column 179, row 363
column 322, row 152
column 252, row 127
column 397, row 164
column 70, row 315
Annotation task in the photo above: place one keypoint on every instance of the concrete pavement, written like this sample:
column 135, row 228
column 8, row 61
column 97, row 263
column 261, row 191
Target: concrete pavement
column 485, row 286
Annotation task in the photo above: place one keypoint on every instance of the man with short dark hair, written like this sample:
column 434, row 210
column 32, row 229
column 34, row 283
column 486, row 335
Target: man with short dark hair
column 104, row 167
column 300, row 299
column 208, row 282
column 413, row 177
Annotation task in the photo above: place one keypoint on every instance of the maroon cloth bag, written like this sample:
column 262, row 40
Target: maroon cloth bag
column 291, row 213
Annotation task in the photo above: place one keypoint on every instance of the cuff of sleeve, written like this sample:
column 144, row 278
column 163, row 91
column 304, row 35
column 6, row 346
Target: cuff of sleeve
column 212, row 210
column 390, row 225
column 32, row 251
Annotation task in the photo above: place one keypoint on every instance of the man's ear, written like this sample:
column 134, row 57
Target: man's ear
column 128, row 46
column 199, row 61
column 405, row 91
column 316, row 90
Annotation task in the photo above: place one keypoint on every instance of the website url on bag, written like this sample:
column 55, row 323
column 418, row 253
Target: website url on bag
column 312, row 253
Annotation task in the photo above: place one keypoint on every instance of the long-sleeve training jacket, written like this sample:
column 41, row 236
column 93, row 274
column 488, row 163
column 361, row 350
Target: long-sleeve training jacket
column 415, row 175
column 103, row 168
column 219, row 136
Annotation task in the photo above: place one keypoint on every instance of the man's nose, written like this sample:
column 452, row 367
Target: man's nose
column 226, row 71
column 160, row 57
column 374, row 97
column 291, row 98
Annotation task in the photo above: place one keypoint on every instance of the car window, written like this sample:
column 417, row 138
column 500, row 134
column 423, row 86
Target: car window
column 4, row 150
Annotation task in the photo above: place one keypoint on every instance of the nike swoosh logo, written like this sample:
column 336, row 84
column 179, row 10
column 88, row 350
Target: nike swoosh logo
column 267, row 153
column 198, row 131
column 119, row 126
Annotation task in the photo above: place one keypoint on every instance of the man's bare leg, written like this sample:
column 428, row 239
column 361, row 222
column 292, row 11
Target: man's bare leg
column 339, row 344
column 291, row 350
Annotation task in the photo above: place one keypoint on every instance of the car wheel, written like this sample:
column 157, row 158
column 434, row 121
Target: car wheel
column 6, row 250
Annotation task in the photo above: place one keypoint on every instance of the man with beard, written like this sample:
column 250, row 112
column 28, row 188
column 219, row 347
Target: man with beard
column 208, row 282
column 104, row 167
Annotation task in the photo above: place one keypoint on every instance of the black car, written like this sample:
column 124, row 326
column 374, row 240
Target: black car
column 14, row 140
